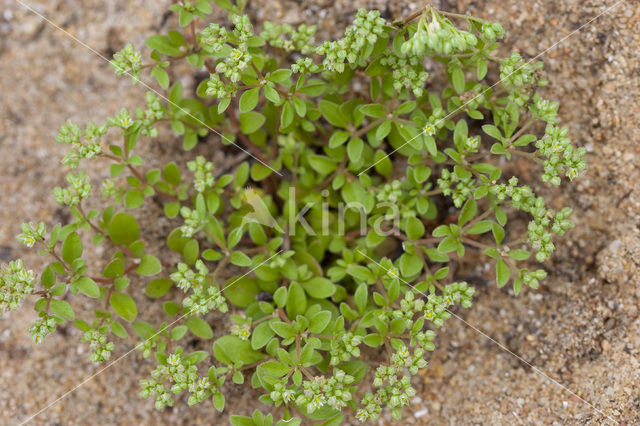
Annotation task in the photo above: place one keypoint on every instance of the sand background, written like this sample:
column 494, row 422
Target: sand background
column 581, row 328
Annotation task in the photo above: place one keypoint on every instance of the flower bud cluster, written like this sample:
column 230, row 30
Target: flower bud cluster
column 216, row 88
column 459, row 189
column 287, row 38
column 128, row 61
column 193, row 221
column 15, row 283
column 524, row 199
column 70, row 133
column 518, row 77
column 390, row 192
column 239, row 58
column 561, row 156
column 333, row 392
column 344, row 347
column 79, row 190
column 544, row 109
column 492, row 31
column 183, row 374
column 366, row 29
column 43, row 326
column 109, row 189
column 31, row 233
column 435, row 309
column 438, row 35
column 186, row 279
column 213, row 38
column 203, row 177
column 243, row 331
column 98, row 343
column 123, row 120
column 410, row 79
column 205, row 299
column 154, row 112
column 281, row 394
column 458, row 292
column 395, row 392
column 532, row 279
column 402, row 358
column 304, row 66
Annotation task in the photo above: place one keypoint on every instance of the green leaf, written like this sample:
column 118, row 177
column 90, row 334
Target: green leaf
column 441, row 231
column 354, row 149
column 171, row 174
column 71, row 248
column 498, row 233
column 492, row 131
column 123, row 229
column 190, row 251
column 118, row 329
column 133, row 198
column 383, row 130
column 242, row 421
column 271, row 94
column 171, row 308
column 88, row 287
column 251, row 121
column 178, row 332
column 114, row 269
column 517, row 285
column 163, row 45
column 261, row 335
column 241, row 291
column 61, row 308
column 272, row 369
column 359, row 272
column 373, row 340
column 124, row 305
column 283, row 329
column 144, row 329
column 319, row 321
column 296, row 301
column 249, row 99
column 360, row 297
column 238, row 258
column 338, row 138
column 382, row 163
column 502, row 272
column 158, row 288
column 287, row 116
column 231, row 350
column 373, row 110
column 280, row 76
column 319, row 288
column 468, row 211
column 480, row 227
column 332, row 113
column 449, row 244
column 524, row 140
column 171, row 210
column 457, row 79
column 321, row 164
column 519, row 254
column 414, row 228
column 199, row 328
column 149, row 265
column 48, row 277
column 161, row 75
column 482, row 69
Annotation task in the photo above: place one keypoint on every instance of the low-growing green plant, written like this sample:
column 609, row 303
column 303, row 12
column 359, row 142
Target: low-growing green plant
column 331, row 245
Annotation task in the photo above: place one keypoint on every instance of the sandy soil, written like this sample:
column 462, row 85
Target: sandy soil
column 581, row 329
